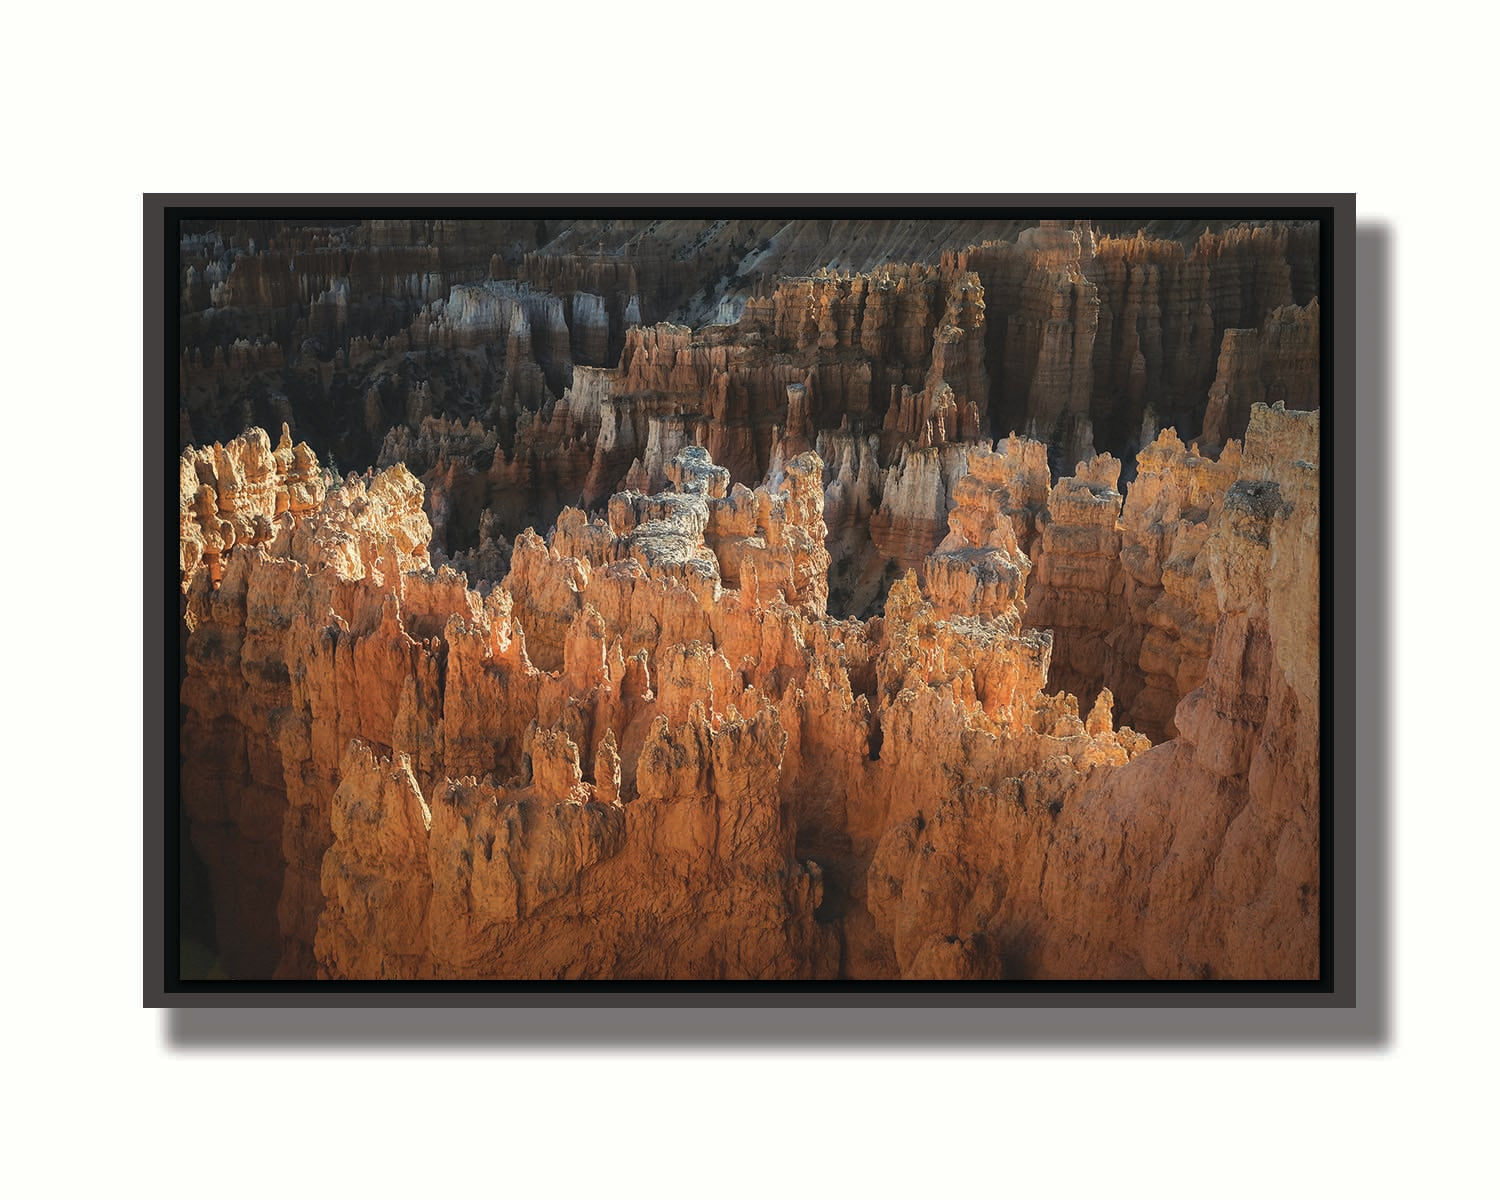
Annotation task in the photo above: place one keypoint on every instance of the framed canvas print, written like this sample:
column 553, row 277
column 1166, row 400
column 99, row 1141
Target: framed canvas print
column 782, row 598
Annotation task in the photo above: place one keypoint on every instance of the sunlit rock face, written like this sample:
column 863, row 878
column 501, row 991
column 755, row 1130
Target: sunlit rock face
column 735, row 601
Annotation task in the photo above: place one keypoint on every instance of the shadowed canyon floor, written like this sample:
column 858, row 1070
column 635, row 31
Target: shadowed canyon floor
column 751, row 599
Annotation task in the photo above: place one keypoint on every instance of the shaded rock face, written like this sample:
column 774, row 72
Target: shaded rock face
column 1096, row 337
column 807, row 676
column 381, row 693
column 521, row 367
column 1198, row 858
column 1078, row 590
column 1160, row 652
column 650, row 752
column 1276, row 363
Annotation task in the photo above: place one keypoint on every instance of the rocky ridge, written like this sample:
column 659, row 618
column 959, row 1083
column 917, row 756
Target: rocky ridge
column 553, row 343
column 762, row 455
column 688, row 769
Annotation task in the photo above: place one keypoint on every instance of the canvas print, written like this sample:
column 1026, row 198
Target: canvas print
column 748, row 595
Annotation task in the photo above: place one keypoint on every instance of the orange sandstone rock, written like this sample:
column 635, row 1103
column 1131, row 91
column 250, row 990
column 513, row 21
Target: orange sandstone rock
column 641, row 747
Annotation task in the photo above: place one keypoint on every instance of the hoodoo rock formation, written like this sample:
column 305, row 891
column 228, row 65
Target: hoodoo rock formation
column 752, row 599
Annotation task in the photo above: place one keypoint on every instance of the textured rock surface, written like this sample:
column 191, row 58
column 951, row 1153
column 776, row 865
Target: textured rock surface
column 913, row 513
column 1274, row 364
column 1097, row 337
column 1078, row 591
column 684, row 778
column 805, row 677
column 1197, row 859
column 980, row 568
column 1161, row 653
column 341, row 635
column 301, row 645
column 519, row 367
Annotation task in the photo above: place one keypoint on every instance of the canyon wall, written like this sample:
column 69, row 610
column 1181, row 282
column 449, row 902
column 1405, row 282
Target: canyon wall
column 1104, row 340
column 649, row 752
column 1196, row 859
column 681, row 616
column 555, row 338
